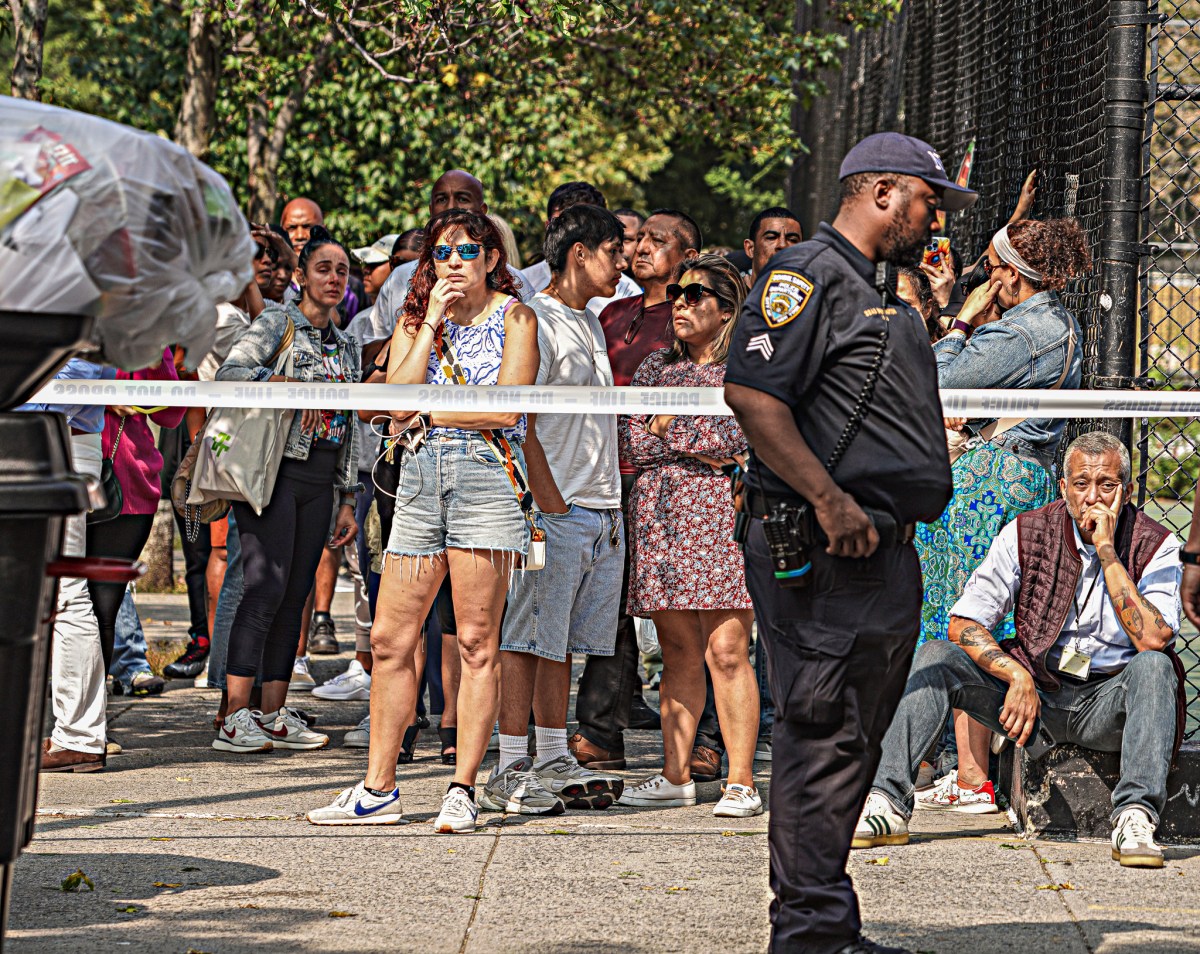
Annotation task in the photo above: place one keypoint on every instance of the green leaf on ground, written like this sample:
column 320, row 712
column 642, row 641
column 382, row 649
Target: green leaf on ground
column 73, row 882
column 127, row 909
column 121, row 801
column 1061, row 886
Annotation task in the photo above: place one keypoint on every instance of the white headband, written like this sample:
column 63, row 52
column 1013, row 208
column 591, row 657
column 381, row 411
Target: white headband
column 1009, row 256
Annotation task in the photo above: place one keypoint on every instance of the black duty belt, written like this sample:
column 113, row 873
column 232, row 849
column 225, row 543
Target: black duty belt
column 758, row 505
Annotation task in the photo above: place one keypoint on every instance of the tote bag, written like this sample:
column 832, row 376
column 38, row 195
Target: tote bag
column 240, row 449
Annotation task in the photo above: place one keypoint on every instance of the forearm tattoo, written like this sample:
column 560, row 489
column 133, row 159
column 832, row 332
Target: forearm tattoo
column 1132, row 608
column 974, row 636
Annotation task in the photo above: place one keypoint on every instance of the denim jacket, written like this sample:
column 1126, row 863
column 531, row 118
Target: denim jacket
column 256, row 346
column 1025, row 348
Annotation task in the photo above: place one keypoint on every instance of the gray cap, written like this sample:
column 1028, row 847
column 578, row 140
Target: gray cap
column 894, row 152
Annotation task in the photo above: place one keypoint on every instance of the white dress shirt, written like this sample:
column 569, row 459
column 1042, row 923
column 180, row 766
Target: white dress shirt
column 1095, row 630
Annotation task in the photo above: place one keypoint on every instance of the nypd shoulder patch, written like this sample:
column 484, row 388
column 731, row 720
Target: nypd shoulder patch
column 784, row 297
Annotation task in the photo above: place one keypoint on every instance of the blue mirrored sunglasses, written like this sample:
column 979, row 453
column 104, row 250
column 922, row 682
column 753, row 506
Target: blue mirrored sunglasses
column 466, row 251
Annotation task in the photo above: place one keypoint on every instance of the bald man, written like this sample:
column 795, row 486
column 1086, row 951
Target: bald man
column 299, row 217
column 453, row 190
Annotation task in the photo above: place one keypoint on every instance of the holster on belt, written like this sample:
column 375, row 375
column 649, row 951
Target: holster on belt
column 811, row 534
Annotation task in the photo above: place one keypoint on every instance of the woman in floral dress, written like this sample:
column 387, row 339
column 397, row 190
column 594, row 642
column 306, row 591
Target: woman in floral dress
column 686, row 572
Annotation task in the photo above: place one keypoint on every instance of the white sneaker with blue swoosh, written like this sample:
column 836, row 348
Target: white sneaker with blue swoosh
column 357, row 806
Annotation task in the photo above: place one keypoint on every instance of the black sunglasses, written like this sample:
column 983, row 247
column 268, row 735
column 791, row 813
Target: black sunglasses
column 693, row 294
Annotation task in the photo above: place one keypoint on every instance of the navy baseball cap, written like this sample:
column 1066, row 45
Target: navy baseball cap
column 894, row 152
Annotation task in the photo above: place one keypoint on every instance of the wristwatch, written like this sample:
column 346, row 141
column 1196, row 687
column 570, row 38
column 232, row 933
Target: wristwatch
column 1189, row 559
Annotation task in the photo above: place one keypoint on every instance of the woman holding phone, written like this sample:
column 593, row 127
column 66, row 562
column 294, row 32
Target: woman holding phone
column 282, row 546
column 457, row 512
column 1012, row 332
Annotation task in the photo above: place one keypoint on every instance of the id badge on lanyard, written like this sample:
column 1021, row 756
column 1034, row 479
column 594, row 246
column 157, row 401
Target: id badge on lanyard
column 1074, row 661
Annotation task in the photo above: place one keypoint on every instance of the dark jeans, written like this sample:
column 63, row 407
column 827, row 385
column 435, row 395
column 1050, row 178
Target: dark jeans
column 1132, row 713
column 609, row 683
column 280, row 552
column 766, row 708
column 122, row 537
column 195, row 575
column 840, row 652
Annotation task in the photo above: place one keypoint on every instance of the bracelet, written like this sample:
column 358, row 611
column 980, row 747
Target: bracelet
column 1189, row 559
column 959, row 325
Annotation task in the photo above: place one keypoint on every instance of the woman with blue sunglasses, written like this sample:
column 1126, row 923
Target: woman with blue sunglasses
column 457, row 511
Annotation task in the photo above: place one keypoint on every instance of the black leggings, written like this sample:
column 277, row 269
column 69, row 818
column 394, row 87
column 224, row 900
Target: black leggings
column 121, row 537
column 280, row 553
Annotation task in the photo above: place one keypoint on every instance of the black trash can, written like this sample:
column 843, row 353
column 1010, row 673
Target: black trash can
column 38, row 492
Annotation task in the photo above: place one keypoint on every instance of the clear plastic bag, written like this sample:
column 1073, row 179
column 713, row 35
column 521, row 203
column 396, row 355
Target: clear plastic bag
column 102, row 219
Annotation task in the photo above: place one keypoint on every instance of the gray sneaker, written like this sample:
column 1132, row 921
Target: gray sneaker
column 577, row 786
column 518, row 790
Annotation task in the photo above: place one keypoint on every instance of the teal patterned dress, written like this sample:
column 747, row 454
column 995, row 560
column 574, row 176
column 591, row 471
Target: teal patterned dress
column 991, row 488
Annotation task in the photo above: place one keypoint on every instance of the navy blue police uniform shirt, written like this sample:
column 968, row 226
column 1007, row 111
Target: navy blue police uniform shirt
column 807, row 336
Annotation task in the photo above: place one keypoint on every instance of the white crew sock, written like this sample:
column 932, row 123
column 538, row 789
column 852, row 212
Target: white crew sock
column 551, row 743
column 513, row 748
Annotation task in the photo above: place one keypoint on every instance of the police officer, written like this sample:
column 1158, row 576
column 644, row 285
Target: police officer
column 833, row 381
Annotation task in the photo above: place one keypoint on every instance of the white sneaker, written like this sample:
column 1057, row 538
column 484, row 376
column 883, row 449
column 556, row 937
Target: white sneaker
column 302, row 680
column 288, row 731
column 656, row 791
column 241, row 732
column 201, row 681
column 357, row 806
column 458, row 813
column 939, row 787
column 739, row 801
column 352, row 685
column 1133, row 840
column 518, row 790
column 966, row 801
column 879, row 824
column 360, row 736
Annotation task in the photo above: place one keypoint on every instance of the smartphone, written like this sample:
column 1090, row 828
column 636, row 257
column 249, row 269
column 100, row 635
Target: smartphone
column 936, row 251
column 1040, row 744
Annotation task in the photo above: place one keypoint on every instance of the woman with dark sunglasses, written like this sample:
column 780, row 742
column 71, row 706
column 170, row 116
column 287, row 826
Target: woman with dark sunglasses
column 456, row 513
column 1013, row 332
column 686, row 572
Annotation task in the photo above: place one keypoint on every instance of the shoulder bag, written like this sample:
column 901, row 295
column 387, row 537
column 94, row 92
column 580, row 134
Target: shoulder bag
column 239, row 450
column 114, row 498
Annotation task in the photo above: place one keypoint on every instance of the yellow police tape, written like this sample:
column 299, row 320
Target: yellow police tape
column 580, row 400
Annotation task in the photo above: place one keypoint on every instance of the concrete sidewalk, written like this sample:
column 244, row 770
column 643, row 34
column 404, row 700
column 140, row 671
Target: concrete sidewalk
column 193, row 850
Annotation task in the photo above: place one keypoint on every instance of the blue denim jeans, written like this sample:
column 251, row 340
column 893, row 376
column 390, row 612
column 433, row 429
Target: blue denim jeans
column 1132, row 712
column 766, row 708
column 129, row 647
column 227, row 605
column 570, row 606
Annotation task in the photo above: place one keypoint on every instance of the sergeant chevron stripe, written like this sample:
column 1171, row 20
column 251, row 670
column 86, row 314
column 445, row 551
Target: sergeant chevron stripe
column 761, row 344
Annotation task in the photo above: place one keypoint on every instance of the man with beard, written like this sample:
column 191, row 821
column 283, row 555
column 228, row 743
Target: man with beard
column 831, row 378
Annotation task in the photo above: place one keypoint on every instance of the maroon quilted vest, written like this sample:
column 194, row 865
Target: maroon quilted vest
column 1050, row 569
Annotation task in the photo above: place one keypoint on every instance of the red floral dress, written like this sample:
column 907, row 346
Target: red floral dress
column 682, row 554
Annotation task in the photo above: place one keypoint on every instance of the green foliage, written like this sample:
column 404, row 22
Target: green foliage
column 524, row 96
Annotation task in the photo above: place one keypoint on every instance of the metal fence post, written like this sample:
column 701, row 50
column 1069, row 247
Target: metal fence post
column 1125, row 95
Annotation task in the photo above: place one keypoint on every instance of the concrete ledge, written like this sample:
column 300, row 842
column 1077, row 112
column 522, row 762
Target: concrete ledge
column 1068, row 792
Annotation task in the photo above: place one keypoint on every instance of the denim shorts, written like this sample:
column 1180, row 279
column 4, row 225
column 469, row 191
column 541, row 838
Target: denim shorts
column 571, row 605
column 453, row 492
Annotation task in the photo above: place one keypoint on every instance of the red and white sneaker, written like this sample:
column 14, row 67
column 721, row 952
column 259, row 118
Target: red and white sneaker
column 287, row 730
column 967, row 801
column 240, row 732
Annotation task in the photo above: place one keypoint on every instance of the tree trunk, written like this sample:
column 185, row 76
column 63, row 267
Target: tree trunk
column 266, row 139
column 29, row 25
column 159, row 552
column 198, row 111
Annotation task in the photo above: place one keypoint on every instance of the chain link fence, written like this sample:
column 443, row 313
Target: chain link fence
column 1168, row 324
column 1023, row 83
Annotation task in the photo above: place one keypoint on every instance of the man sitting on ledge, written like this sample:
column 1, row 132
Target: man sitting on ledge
column 1095, row 586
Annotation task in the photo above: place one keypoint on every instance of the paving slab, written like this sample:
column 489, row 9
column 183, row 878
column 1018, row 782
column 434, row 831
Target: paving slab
column 190, row 849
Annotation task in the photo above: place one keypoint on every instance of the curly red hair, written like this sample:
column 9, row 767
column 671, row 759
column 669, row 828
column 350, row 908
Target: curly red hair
column 1058, row 248
column 479, row 228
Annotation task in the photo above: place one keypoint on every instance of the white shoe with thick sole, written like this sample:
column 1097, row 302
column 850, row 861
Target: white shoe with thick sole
column 879, row 824
column 360, row 736
column 302, row 680
column 1133, row 840
column 353, row 685
column 290, row 731
column 458, row 813
column 241, row 732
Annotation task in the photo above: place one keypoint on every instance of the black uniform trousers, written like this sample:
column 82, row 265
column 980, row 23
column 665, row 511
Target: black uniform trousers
column 839, row 651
